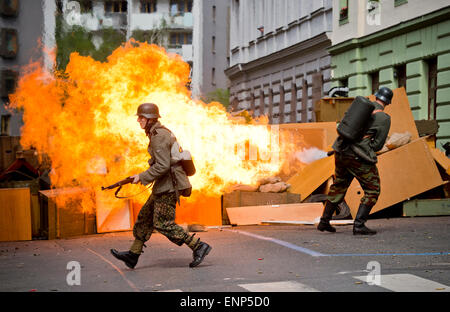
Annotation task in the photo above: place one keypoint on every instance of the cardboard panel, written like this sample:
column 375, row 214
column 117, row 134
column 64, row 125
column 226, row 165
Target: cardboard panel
column 15, row 214
column 329, row 127
column 289, row 212
column 402, row 119
column 404, row 172
column 243, row 199
column 200, row 209
column 113, row 214
column 311, row 177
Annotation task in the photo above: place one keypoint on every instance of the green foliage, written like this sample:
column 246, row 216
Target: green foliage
column 219, row 95
column 71, row 39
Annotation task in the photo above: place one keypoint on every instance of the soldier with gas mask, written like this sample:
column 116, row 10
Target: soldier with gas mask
column 362, row 132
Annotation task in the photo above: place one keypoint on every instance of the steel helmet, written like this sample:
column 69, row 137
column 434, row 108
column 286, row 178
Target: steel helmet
column 385, row 94
column 148, row 110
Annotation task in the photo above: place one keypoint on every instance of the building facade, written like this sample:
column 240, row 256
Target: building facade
column 396, row 43
column 211, row 46
column 279, row 63
column 20, row 44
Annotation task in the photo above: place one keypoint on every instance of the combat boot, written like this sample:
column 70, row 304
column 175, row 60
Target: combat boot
column 361, row 217
column 324, row 224
column 200, row 253
column 128, row 257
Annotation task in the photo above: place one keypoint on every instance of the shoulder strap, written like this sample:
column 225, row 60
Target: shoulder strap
column 160, row 127
column 172, row 136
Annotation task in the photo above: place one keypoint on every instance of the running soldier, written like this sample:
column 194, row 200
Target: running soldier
column 170, row 181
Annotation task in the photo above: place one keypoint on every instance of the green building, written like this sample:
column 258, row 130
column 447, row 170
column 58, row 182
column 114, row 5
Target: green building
column 396, row 43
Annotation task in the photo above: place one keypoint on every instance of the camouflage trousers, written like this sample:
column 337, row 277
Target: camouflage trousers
column 349, row 167
column 159, row 213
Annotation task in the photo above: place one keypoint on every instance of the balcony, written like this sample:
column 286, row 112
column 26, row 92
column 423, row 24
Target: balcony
column 147, row 21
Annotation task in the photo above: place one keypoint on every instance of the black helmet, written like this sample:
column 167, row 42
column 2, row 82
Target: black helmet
column 148, row 110
column 385, row 94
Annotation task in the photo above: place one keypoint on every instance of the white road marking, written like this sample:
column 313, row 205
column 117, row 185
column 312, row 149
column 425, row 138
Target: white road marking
column 171, row 290
column 408, row 283
column 286, row 286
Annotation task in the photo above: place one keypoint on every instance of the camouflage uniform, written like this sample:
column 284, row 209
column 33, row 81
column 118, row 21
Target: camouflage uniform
column 358, row 160
column 347, row 168
column 159, row 213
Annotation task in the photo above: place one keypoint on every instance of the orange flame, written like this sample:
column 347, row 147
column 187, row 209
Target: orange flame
column 84, row 120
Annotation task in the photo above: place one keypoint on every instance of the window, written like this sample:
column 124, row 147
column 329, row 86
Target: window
column 213, row 76
column 116, row 6
column 5, row 124
column 400, row 75
column 375, row 80
column 180, row 38
column 148, row 6
column 180, row 6
column 9, row 45
column 343, row 12
column 432, row 87
column 8, row 82
column 9, row 7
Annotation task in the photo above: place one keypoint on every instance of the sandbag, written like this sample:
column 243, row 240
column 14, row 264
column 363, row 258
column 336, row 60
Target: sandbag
column 398, row 139
column 274, row 188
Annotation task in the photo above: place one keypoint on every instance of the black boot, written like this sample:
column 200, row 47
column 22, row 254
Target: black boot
column 361, row 217
column 128, row 257
column 324, row 224
column 200, row 253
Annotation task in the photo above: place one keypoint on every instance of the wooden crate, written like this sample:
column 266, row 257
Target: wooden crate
column 245, row 199
column 15, row 214
column 68, row 220
column 33, row 185
column 332, row 109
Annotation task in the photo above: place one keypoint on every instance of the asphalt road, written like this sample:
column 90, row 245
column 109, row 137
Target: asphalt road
column 408, row 254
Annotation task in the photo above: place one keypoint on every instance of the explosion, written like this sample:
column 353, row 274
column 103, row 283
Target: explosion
column 84, row 120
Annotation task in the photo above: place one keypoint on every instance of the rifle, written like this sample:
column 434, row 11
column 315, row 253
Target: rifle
column 120, row 184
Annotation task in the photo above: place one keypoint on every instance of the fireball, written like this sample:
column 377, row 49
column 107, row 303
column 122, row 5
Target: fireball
column 84, row 120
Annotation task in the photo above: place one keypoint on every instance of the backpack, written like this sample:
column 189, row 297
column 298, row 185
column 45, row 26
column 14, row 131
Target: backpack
column 178, row 156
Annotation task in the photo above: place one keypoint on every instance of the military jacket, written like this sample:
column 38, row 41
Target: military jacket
column 373, row 140
column 161, row 141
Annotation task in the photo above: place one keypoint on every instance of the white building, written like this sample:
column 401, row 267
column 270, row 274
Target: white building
column 279, row 64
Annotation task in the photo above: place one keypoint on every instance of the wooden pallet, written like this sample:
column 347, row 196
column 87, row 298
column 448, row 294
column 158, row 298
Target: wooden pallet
column 426, row 207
